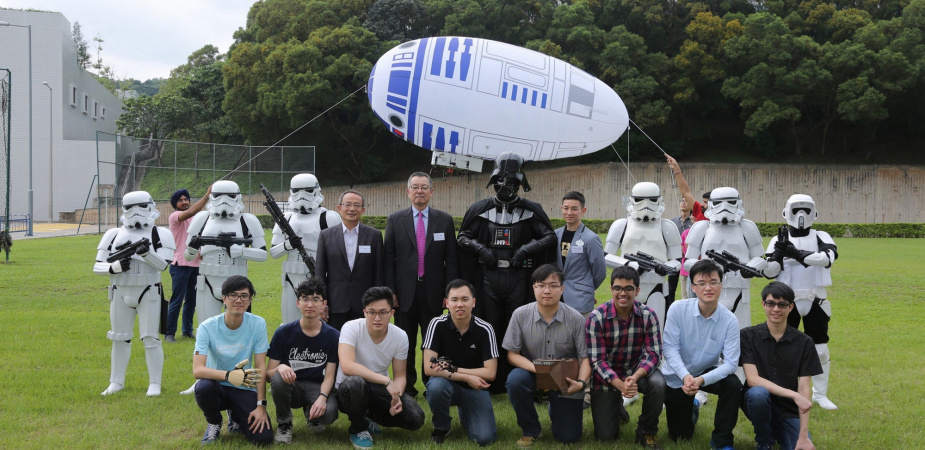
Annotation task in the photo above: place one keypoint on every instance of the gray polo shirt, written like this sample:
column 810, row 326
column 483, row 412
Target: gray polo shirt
column 530, row 335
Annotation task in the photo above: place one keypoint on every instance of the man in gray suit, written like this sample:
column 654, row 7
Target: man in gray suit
column 420, row 259
column 349, row 260
column 581, row 256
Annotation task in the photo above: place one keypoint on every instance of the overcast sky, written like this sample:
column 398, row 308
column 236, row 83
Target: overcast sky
column 145, row 39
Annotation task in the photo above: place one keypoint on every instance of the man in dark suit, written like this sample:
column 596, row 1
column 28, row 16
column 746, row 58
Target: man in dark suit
column 349, row 260
column 418, row 273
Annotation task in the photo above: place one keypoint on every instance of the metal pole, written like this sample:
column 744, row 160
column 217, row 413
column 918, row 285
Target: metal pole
column 51, row 160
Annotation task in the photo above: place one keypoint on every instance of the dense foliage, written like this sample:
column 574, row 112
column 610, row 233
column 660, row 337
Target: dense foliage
column 736, row 80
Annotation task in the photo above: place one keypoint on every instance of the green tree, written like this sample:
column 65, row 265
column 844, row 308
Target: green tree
column 83, row 53
column 399, row 20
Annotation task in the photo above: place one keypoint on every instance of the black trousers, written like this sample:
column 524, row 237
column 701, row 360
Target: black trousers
column 360, row 400
column 337, row 320
column 505, row 290
column 679, row 407
column 815, row 322
column 418, row 316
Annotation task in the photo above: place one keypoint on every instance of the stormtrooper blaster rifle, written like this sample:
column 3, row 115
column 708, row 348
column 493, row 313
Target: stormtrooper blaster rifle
column 127, row 249
column 294, row 240
column 731, row 263
column 783, row 236
column 223, row 240
column 648, row 262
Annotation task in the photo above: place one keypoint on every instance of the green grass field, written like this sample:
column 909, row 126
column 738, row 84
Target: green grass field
column 54, row 317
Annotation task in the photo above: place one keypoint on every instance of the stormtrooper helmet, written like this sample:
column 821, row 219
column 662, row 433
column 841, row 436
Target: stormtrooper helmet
column 507, row 177
column 305, row 193
column 646, row 204
column 800, row 211
column 138, row 210
column 725, row 207
column 225, row 200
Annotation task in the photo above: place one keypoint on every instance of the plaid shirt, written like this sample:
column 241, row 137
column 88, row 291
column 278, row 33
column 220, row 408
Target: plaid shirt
column 617, row 348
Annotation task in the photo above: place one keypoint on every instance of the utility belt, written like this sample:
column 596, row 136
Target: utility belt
column 222, row 270
column 135, row 279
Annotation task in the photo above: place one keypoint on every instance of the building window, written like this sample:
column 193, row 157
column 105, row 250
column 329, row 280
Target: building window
column 103, row 114
column 86, row 104
column 73, row 96
column 96, row 109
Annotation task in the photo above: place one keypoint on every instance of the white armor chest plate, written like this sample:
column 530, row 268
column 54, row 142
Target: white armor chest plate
column 140, row 273
column 801, row 279
column 308, row 227
column 217, row 256
column 728, row 238
column 645, row 237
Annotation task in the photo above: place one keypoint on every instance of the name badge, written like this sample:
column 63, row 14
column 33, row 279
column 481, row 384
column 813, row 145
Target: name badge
column 578, row 249
column 365, row 249
column 439, row 237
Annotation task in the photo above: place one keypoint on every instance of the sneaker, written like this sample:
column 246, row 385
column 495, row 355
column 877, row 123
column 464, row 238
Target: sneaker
column 316, row 427
column 648, row 441
column 724, row 447
column 212, row 432
column 234, row 428
column 283, row 433
column 702, row 397
column 189, row 335
column 169, row 338
column 361, row 440
column 374, row 428
column 695, row 413
column 438, row 436
column 526, row 441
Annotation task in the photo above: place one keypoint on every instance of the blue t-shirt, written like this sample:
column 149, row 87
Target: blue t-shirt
column 224, row 348
column 307, row 356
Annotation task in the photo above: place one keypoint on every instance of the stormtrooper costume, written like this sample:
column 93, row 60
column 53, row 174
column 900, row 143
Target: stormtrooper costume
column 808, row 257
column 224, row 214
column 307, row 218
column 644, row 230
column 135, row 288
column 510, row 236
column 727, row 230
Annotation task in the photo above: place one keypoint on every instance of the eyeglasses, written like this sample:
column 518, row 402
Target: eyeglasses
column 380, row 314
column 235, row 296
column 712, row 284
column 627, row 289
column 351, row 205
column 780, row 305
column 419, row 188
column 543, row 287
column 309, row 298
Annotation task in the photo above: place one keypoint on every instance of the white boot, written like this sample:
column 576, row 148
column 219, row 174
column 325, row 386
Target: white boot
column 154, row 356
column 190, row 391
column 630, row 401
column 121, row 351
column 821, row 382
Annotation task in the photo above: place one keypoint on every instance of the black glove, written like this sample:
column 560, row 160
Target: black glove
column 294, row 242
column 787, row 249
column 518, row 260
column 487, row 258
column 142, row 250
column 194, row 242
column 660, row 270
column 124, row 264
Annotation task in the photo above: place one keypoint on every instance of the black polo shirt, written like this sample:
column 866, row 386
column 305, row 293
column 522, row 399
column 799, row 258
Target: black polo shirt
column 469, row 350
column 781, row 362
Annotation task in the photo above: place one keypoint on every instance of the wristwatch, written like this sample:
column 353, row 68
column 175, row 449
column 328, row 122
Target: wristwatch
column 262, row 403
column 584, row 384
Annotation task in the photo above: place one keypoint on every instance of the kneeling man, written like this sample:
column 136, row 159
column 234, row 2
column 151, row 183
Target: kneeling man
column 303, row 364
column 546, row 329
column 697, row 332
column 779, row 362
column 624, row 346
column 365, row 392
column 461, row 359
column 224, row 345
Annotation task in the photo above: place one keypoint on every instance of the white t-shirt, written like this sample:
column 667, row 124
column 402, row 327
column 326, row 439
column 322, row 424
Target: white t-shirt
column 375, row 357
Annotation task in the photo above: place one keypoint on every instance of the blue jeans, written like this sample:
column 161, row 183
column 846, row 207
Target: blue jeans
column 184, row 287
column 476, row 413
column 566, row 414
column 769, row 423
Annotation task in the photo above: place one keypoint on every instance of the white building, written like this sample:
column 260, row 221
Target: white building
column 64, row 151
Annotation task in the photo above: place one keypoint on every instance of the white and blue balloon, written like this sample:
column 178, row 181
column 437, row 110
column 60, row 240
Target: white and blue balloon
column 478, row 98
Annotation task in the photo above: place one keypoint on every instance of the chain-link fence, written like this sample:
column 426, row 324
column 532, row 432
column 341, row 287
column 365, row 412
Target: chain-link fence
column 162, row 166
